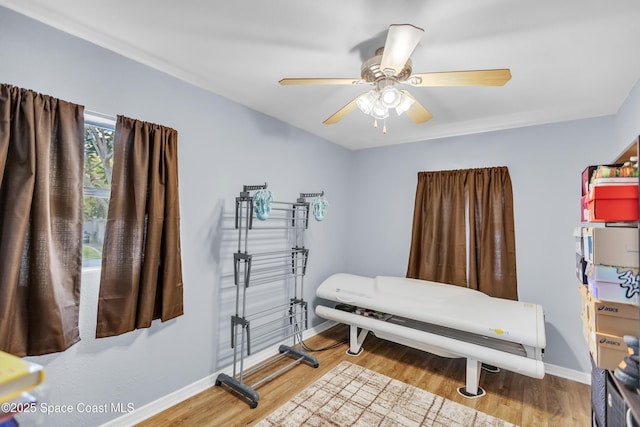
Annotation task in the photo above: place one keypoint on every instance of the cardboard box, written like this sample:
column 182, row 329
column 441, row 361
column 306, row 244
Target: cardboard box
column 584, row 310
column 619, row 284
column 611, row 246
column 612, row 318
column 577, row 235
column 612, row 292
column 607, row 350
column 584, row 297
column 585, row 329
column 611, row 203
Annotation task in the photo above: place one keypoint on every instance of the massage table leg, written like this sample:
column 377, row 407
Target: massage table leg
column 355, row 339
column 472, row 389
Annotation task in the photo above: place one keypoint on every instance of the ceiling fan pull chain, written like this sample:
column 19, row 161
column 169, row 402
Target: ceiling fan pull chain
column 384, row 126
column 375, row 123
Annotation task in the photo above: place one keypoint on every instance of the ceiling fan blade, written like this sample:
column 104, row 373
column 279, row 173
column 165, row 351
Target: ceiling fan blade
column 497, row 77
column 343, row 112
column 417, row 112
column 402, row 39
column 321, row 81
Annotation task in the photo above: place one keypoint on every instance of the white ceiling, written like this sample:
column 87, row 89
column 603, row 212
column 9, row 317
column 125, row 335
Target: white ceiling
column 569, row 59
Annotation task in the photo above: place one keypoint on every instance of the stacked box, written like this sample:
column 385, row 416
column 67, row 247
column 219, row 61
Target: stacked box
column 586, row 178
column 611, row 246
column 611, row 203
column 577, row 236
column 604, row 324
column 584, row 311
column 607, row 350
column 612, row 318
column 618, row 284
column 611, row 261
column 581, row 264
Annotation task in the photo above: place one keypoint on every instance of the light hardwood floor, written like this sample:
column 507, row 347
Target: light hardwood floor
column 525, row 401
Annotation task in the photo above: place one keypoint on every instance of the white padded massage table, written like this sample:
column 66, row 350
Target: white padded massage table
column 446, row 320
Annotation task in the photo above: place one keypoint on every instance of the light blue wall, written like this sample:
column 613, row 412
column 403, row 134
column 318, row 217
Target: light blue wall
column 222, row 146
column 545, row 164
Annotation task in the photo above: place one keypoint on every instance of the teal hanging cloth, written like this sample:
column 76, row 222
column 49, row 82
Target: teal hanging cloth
column 262, row 203
column 319, row 205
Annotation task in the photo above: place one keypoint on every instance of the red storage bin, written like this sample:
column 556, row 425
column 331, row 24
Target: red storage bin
column 613, row 203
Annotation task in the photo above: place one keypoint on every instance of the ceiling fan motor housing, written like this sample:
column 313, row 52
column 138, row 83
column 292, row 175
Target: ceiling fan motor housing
column 371, row 72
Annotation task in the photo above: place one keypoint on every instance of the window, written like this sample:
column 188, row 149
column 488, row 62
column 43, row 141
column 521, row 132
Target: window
column 99, row 133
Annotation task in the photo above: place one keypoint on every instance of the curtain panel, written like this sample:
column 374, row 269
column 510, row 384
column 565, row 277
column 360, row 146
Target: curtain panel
column 492, row 238
column 438, row 240
column 41, row 172
column 141, row 277
column 462, row 213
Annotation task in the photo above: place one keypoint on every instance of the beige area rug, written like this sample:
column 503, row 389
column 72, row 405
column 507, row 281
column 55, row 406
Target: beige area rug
column 350, row 395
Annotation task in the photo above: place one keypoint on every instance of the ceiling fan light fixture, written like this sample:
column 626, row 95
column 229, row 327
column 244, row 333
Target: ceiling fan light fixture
column 379, row 111
column 367, row 101
column 405, row 103
column 390, row 97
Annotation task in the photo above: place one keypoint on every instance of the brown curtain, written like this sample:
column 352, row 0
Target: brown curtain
column 41, row 169
column 438, row 243
column 141, row 264
column 492, row 242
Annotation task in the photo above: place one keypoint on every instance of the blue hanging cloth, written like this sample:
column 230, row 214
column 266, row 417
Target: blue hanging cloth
column 319, row 205
column 262, row 203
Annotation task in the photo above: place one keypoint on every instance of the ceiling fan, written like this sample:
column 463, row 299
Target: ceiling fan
column 391, row 65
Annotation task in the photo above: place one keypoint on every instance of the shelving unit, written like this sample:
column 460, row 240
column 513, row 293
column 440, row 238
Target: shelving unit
column 286, row 269
column 605, row 379
column 631, row 397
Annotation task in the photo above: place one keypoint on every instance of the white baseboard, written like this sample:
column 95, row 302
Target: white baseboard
column 569, row 374
column 171, row 399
